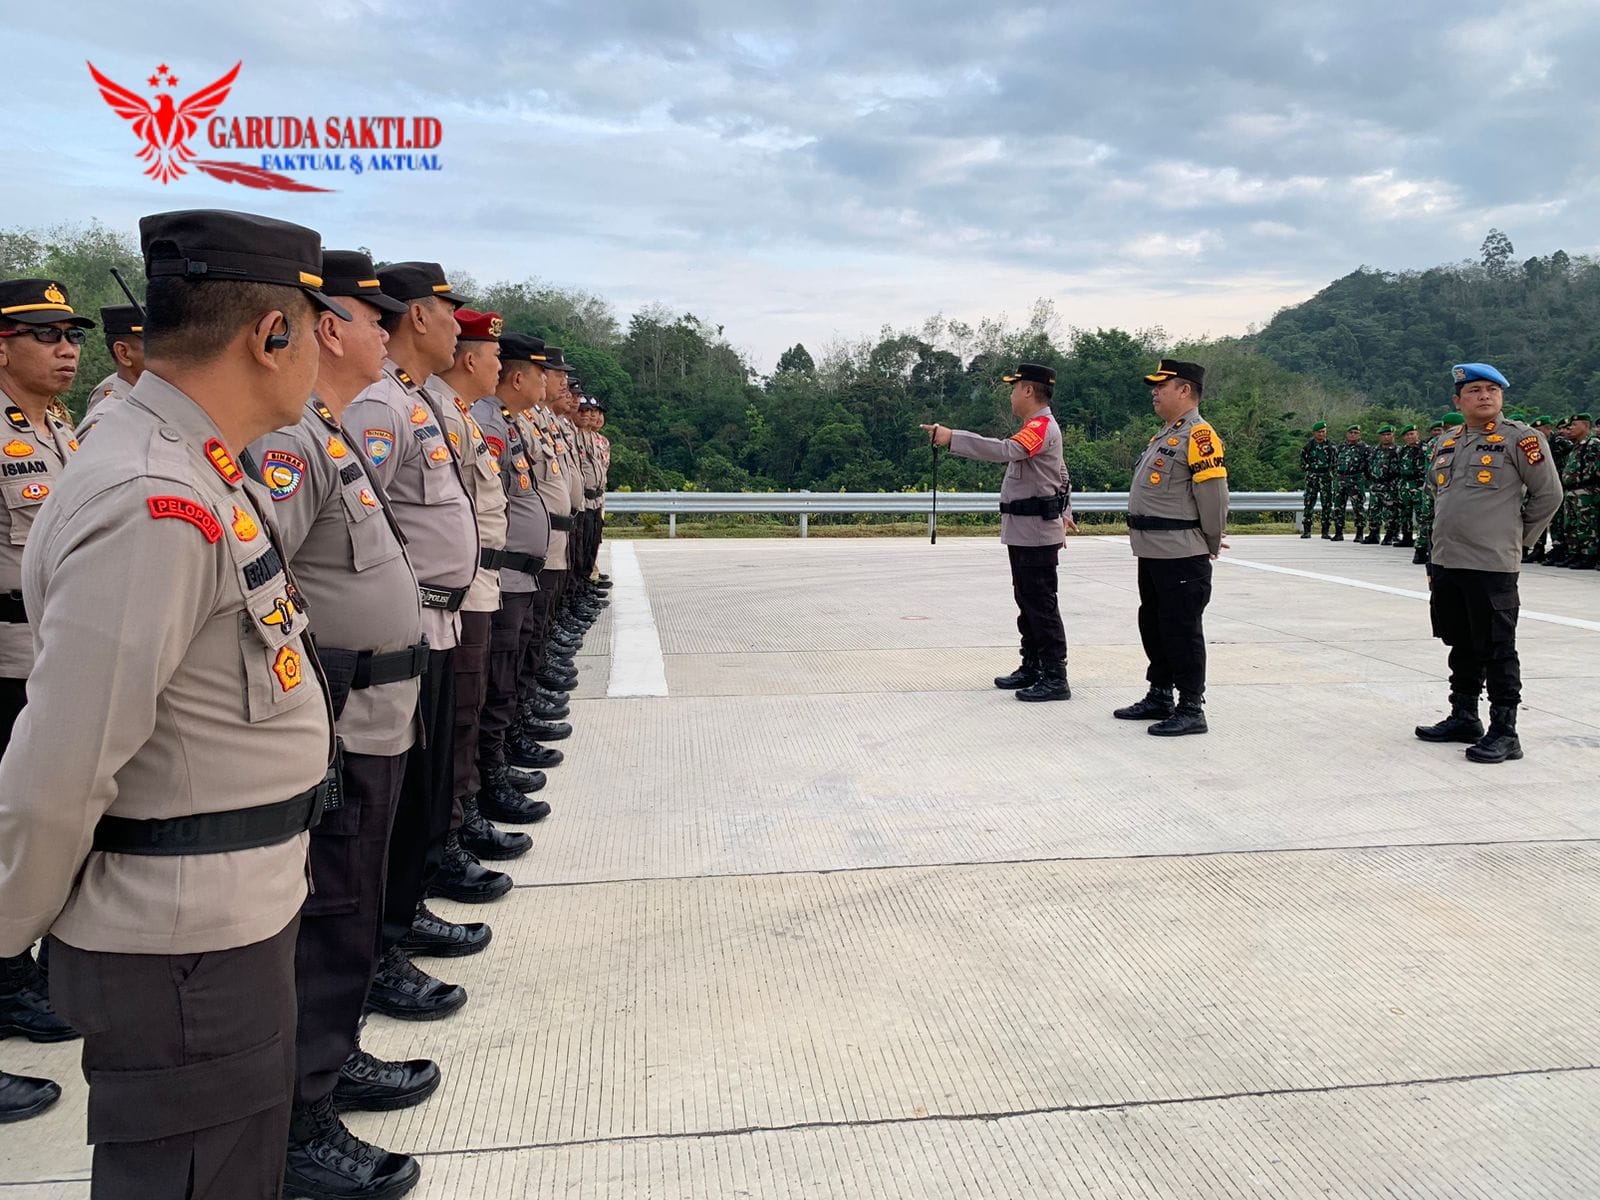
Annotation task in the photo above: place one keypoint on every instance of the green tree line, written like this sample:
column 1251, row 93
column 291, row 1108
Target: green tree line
column 688, row 410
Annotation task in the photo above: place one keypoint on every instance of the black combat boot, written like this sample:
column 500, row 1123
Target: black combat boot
column 482, row 838
column 1462, row 725
column 1406, row 542
column 462, row 878
column 1024, row 675
column 1388, row 538
column 1338, row 534
column 1325, row 535
column 1420, row 556
column 499, row 801
column 523, row 751
column 25, row 1003
column 541, row 709
column 1371, row 538
column 1189, row 717
column 1557, row 557
column 402, row 990
column 432, row 936
column 1051, row 684
column 328, row 1162
column 543, row 731
column 526, row 782
column 23, row 1096
column 1305, row 526
column 1535, row 555
column 1500, row 744
column 552, row 676
column 1580, row 562
column 1156, row 706
column 370, row 1084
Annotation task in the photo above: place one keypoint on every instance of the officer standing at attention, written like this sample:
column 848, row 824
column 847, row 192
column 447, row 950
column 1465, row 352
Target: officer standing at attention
column 124, row 332
column 401, row 434
column 40, row 340
column 1383, row 469
column 474, row 371
column 1495, row 489
column 1035, row 513
column 1350, row 484
column 361, row 594
column 1317, row 458
column 1413, row 469
column 1177, row 514
column 176, row 743
column 1580, row 483
column 1425, row 497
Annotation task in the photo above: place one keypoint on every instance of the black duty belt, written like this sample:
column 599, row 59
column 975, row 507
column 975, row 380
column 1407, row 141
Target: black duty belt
column 370, row 669
column 528, row 564
column 560, row 524
column 1149, row 524
column 1048, row 507
column 214, row 832
column 12, row 610
column 449, row 599
column 593, row 493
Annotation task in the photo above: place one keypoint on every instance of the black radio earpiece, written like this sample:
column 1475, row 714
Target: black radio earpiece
column 279, row 341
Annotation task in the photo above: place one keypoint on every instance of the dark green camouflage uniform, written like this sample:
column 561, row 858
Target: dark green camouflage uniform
column 1317, row 460
column 1580, row 511
column 1413, row 470
column 1383, row 469
column 1350, row 485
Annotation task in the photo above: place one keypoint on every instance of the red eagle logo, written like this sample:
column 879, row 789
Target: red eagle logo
column 164, row 127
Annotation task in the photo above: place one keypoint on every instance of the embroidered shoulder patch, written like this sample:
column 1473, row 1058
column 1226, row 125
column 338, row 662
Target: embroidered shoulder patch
column 1530, row 449
column 1031, row 436
column 16, row 417
column 1203, row 441
column 181, row 508
column 283, row 473
column 380, row 442
column 496, row 446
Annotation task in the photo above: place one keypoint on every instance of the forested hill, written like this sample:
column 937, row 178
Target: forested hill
column 1385, row 334
column 688, row 409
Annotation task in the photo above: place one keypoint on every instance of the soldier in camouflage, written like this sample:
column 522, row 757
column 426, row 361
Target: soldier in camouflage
column 1317, row 459
column 1580, row 480
column 1350, row 483
column 1425, row 500
column 1383, row 469
column 1413, row 470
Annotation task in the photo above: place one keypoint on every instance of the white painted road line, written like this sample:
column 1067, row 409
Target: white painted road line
column 637, row 668
column 1525, row 614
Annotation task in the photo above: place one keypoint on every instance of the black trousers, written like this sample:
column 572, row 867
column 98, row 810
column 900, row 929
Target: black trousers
column 190, row 1060
column 422, row 818
column 508, row 636
column 13, row 695
column 1475, row 614
column 1173, row 594
column 1034, row 586
column 553, row 585
column 341, row 924
column 471, row 666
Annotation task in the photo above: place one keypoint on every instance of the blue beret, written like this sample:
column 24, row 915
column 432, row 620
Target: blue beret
column 1467, row 372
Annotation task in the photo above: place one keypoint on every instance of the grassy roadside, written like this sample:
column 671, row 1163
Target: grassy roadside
column 736, row 527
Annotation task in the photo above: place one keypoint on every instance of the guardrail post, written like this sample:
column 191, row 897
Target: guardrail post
column 804, row 516
column 672, row 525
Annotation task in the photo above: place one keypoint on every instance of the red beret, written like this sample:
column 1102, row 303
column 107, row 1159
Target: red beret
column 479, row 326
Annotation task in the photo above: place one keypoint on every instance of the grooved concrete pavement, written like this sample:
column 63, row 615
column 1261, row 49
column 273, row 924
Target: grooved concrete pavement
column 834, row 918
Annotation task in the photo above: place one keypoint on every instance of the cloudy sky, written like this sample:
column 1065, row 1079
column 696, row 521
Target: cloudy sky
column 799, row 172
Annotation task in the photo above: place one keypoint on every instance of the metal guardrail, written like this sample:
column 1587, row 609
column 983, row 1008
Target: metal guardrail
column 803, row 504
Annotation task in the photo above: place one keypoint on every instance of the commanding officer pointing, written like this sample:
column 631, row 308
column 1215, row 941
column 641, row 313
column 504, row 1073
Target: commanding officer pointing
column 1035, row 512
column 361, row 593
column 1495, row 489
column 1177, row 514
column 175, row 746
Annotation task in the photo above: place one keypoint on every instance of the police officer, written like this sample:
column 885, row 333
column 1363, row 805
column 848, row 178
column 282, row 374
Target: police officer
column 521, row 381
column 176, row 743
column 562, row 490
column 1035, row 513
column 582, row 605
column 1494, row 489
column 603, row 454
column 1350, row 483
column 402, row 434
column 474, row 371
column 124, row 332
column 361, row 594
column 1413, row 469
column 1177, row 515
column 40, row 341
column 1317, row 458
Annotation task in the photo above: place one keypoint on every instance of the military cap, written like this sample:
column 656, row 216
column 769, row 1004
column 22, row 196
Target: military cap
column 351, row 273
column 1543, row 419
column 1454, row 418
column 122, row 320
column 588, row 404
column 417, row 281
column 1319, row 425
column 1439, row 424
column 1175, row 368
column 479, row 326
column 1382, row 429
column 211, row 245
column 521, row 347
column 1583, row 417
column 574, row 386
column 554, row 360
column 1352, row 429
column 1031, row 373
column 1408, row 429
column 38, row 302
column 1465, row 373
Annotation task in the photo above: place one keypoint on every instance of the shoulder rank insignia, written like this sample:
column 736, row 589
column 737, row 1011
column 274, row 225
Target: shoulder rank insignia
column 403, row 377
column 244, row 525
column 17, row 448
column 282, row 472
column 222, row 462
column 72, row 444
column 328, row 419
column 16, row 417
column 336, row 448
column 181, row 508
column 286, row 666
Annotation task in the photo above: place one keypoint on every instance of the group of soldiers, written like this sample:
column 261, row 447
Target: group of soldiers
column 1385, row 488
column 328, row 533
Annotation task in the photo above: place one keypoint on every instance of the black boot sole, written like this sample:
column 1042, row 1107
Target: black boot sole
column 1061, row 695
column 41, row 1038
column 486, row 853
column 390, row 1103
column 1467, row 738
column 488, row 896
column 401, row 1013
column 45, row 1102
column 298, row 1191
column 444, row 950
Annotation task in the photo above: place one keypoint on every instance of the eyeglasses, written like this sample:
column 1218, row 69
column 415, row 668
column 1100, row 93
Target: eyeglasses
column 48, row 334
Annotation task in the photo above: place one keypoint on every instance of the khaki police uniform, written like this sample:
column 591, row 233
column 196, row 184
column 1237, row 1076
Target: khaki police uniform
column 31, row 463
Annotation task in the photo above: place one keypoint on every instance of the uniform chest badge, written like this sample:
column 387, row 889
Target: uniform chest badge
column 1487, row 460
column 455, row 439
column 1172, row 441
column 244, row 525
column 1495, row 437
column 380, row 443
column 524, row 482
column 368, row 499
column 282, row 472
column 419, row 415
column 287, row 668
column 1447, row 445
column 1485, row 476
column 222, row 462
column 17, row 448
column 439, row 454
column 35, row 491
column 336, row 448
column 1440, row 478
column 73, row 445
column 1155, row 477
